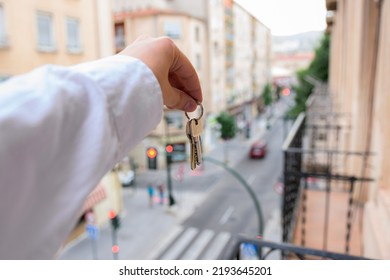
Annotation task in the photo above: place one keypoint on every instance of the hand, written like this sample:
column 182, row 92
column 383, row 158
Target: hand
column 177, row 77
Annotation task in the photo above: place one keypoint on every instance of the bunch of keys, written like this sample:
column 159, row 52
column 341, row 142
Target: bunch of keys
column 194, row 130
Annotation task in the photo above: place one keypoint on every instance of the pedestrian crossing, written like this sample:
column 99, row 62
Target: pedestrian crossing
column 194, row 244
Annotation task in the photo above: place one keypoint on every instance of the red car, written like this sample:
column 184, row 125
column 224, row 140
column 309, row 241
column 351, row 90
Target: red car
column 258, row 149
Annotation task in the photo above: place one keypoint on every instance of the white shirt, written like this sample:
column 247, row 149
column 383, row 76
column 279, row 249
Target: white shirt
column 61, row 130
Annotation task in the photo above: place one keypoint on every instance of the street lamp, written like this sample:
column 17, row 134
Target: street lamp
column 115, row 224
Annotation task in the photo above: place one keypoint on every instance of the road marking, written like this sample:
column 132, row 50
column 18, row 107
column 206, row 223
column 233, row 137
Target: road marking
column 226, row 215
column 164, row 244
column 251, row 179
column 174, row 252
column 198, row 246
column 217, row 246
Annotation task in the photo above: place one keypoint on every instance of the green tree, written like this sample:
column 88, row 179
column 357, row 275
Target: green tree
column 227, row 128
column 227, row 125
column 267, row 94
column 318, row 69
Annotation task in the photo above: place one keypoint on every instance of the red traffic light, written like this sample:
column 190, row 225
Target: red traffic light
column 111, row 214
column 286, row 91
column 151, row 152
column 115, row 249
column 169, row 148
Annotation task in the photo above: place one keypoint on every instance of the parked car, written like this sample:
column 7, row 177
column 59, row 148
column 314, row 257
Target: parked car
column 258, row 149
column 126, row 177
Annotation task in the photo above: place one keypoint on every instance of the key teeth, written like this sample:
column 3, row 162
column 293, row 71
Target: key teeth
column 193, row 134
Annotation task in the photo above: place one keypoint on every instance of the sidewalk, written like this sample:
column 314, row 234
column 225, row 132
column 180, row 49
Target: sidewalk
column 142, row 228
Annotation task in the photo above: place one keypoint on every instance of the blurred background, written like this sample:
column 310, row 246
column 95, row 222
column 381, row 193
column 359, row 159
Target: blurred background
column 294, row 127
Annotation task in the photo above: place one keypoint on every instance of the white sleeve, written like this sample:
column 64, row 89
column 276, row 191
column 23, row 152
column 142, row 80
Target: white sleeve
column 61, row 130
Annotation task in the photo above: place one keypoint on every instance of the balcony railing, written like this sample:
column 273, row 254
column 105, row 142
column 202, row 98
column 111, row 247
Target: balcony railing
column 315, row 167
column 265, row 249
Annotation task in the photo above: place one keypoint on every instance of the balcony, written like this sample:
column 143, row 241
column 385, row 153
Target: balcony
column 321, row 203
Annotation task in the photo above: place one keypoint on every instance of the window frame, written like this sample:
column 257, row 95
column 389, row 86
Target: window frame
column 50, row 45
column 3, row 27
column 77, row 47
column 173, row 29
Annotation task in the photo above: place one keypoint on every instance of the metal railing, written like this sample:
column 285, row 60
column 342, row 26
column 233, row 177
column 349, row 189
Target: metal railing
column 311, row 152
column 288, row 251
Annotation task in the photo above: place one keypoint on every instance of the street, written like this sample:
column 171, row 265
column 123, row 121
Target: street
column 212, row 206
column 228, row 209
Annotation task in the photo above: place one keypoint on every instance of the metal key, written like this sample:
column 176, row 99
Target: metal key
column 192, row 147
column 196, row 129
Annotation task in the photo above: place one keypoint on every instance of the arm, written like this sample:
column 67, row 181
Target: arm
column 62, row 129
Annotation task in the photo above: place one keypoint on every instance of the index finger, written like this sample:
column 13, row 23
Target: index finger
column 183, row 75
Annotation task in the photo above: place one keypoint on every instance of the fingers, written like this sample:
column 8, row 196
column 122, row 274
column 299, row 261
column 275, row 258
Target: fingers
column 178, row 99
column 177, row 77
column 184, row 77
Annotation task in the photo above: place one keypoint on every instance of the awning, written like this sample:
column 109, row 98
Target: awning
column 97, row 195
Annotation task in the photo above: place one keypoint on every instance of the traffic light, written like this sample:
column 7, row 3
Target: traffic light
column 169, row 151
column 151, row 154
column 115, row 222
column 115, row 249
column 169, row 148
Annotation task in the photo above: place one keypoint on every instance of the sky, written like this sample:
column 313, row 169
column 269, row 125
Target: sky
column 288, row 17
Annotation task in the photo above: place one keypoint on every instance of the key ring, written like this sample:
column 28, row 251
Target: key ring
column 201, row 112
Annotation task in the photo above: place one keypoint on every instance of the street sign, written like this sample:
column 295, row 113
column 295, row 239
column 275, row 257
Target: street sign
column 92, row 231
column 248, row 251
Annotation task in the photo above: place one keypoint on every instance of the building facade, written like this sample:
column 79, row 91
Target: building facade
column 33, row 33
column 190, row 35
column 229, row 48
column 62, row 32
column 359, row 85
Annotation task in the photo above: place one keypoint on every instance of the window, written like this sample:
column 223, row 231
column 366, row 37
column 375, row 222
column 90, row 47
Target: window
column 172, row 29
column 198, row 61
column 73, row 35
column 120, row 36
column 3, row 38
column 197, row 34
column 216, row 49
column 45, row 32
column 174, row 119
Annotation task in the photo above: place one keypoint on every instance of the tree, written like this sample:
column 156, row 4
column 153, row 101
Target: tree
column 318, row 69
column 227, row 128
column 227, row 124
column 267, row 94
column 267, row 99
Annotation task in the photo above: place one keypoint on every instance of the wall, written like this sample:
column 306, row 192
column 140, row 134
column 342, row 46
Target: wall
column 359, row 69
column 21, row 54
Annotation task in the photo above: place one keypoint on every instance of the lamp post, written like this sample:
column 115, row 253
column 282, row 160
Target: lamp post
column 168, row 163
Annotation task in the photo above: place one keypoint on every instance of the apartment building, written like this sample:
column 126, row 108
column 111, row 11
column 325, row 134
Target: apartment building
column 62, row 32
column 359, row 86
column 251, row 64
column 37, row 32
column 190, row 35
column 229, row 48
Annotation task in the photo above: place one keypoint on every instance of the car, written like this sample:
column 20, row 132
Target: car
column 258, row 149
column 126, row 177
